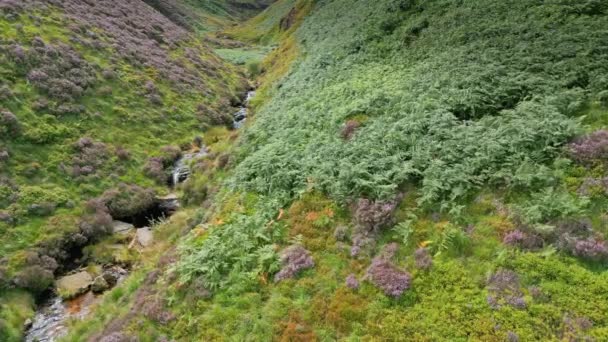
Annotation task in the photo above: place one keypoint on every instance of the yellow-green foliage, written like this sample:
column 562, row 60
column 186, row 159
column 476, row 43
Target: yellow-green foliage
column 15, row 308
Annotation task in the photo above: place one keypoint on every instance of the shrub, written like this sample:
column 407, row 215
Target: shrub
column 362, row 245
column 89, row 156
column 352, row 282
column 423, row 259
column 34, row 278
column 371, row 216
column 158, row 167
column 590, row 148
column 98, row 222
column 294, row 259
column 349, row 129
column 388, row 277
column 127, row 200
column 155, row 310
column 590, row 249
column 9, row 124
column 254, row 69
column 525, row 240
column 155, row 169
column 214, row 117
column 504, row 289
column 5, row 93
column 122, row 153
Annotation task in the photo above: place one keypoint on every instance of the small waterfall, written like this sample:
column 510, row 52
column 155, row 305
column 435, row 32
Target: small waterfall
column 241, row 115
column 181, row 170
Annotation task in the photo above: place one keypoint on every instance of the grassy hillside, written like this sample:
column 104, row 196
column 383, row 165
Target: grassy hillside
column 90, row 91
column 207, row 15
column 414, row 170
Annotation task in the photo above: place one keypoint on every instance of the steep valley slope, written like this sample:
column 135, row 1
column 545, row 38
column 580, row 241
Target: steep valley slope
column 410, row 170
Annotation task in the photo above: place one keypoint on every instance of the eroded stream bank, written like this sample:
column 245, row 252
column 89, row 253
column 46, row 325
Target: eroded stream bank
column 56, row 307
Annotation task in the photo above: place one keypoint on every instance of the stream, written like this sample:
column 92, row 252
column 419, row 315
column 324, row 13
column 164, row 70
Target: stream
column 50, row 322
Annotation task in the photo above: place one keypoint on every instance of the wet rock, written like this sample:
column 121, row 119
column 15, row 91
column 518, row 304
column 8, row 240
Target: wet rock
column 28, row 324
column 169, row 206
column 99, row 285
column 169, row 197
column 113, row 274
column 73, row 285
column 145, row 236
column 119, row 227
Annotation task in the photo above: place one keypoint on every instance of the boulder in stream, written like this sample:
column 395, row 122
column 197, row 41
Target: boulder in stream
column 145, row 236
column 119, row 227
column 74, row 284
column 99, row 285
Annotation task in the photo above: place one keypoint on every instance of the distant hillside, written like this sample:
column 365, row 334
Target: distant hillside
column 207, row 14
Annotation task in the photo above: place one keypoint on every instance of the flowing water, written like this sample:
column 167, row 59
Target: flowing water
column 181, row 170
column 49, row 324
column 241, row 116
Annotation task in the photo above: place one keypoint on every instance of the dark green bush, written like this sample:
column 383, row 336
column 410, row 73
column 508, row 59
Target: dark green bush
column 127, row 200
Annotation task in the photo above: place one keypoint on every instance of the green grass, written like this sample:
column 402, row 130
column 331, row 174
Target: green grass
column 243, row 56
column 464, row 107
column 120, row 118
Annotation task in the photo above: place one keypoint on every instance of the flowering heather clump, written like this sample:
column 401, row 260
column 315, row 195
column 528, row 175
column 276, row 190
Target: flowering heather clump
column 59, row 71
column 90, row 156
column 213, row 117
column 361, row 244
column 423, row 259
column 155, row 169
column 140, row 35
column 98, row 222
column 374, row 215
column 388, row 277
column 152, row 93
column 128, row 200
column 9, row 124
column 5, row 93
column 352, row 282
column 504, row 289
column 349, row 129
column 514, row 238
column 122, row 153
column 294, row 259
column 590, row 148
column 590, row 249
column 170, row 154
